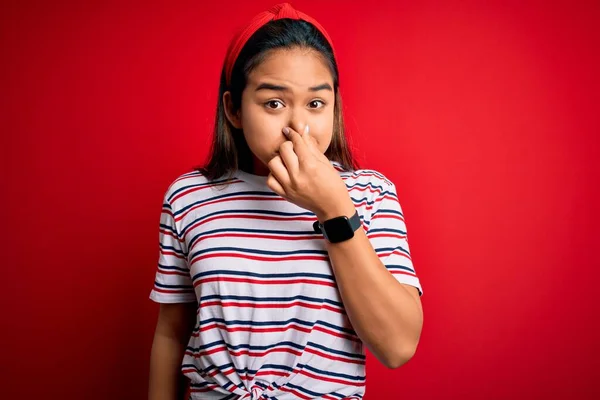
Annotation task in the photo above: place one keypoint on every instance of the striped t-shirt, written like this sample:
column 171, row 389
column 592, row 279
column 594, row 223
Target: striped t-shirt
column 270, row 321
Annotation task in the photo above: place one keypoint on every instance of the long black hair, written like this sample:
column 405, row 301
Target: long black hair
column 229, row 150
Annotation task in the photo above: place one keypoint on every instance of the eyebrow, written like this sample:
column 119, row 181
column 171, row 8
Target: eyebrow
column 279, row 88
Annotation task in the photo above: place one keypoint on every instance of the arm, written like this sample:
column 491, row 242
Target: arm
column 174, row 326
column 387, row 315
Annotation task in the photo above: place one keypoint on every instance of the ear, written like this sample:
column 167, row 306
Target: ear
column 232, row 116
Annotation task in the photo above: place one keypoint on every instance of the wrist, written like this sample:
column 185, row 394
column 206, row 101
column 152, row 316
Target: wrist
column 346, row 209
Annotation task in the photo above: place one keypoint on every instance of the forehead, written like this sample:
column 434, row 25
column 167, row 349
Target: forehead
column 297, row 67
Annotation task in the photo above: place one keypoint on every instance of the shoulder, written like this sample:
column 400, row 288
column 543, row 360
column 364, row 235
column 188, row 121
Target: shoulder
column 368, row 179
column 192, row 181
column 180, row 183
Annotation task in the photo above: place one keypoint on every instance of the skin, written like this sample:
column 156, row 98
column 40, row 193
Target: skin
column 173, row 329
column 265, row 112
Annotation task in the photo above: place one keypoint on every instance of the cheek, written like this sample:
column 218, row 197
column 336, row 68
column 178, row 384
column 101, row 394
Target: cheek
column 252, row 119
column 261, row 130
column 322, row 130
column 259, row 125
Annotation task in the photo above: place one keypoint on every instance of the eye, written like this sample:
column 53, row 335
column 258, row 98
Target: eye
column 315, row 104
column 272, row 104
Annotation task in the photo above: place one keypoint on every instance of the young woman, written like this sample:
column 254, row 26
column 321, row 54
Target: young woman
column 280, row 260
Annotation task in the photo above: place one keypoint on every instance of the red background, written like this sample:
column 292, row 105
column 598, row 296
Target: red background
column 484, row 114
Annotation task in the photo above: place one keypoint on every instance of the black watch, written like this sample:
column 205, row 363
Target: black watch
column 338, row 229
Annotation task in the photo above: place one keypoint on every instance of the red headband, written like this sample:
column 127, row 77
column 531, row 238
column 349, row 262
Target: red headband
column 283, row 10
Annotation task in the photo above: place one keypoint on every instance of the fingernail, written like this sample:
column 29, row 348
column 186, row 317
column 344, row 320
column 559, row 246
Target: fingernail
column 306, row 129
column 286, row 130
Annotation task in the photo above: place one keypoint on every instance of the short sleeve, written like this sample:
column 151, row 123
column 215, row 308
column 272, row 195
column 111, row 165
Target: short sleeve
column 388, row 236
column 172, row 282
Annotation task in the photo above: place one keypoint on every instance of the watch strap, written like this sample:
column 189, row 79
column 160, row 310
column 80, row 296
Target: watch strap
column 354, row 223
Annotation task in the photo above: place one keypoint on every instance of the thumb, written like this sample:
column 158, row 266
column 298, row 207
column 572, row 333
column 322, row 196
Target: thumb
column 308, row 139
column 312, row 144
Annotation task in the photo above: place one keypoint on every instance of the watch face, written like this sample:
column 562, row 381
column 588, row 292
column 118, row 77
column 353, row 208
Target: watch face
column 338, row 229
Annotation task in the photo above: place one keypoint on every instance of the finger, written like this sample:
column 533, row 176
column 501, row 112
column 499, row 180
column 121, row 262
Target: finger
column 311, row 142
column 300, row 147
column 290, row 158
column 306, row 135
column 275, row 186
column 279, row 172
column 309, row 139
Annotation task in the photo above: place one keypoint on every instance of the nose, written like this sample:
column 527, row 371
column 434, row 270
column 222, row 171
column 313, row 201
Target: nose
column 298, row 125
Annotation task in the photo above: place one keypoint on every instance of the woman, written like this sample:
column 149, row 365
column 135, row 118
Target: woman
column 268, row 288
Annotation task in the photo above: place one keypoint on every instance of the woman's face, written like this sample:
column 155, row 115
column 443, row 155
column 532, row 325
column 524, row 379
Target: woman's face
column 291, row 87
